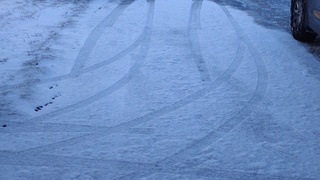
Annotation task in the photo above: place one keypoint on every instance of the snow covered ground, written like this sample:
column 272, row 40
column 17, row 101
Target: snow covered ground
column 150, row 89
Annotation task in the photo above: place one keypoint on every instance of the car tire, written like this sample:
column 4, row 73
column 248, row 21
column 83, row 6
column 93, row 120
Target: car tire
column 300, row 31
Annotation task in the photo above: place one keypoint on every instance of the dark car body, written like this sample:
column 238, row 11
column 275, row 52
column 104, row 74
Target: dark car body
column 305, row 19
column 313, row 16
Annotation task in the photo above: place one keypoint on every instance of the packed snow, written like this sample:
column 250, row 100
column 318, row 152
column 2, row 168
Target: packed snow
column 153, row 89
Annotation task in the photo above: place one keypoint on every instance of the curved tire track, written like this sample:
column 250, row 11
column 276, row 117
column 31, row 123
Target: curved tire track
column 119, row 84
column 198, row 145
column 188, row 100
column 116, row 57
column 95, row 35
column 112, row 18
column 260, row 91
column 139, row 62
column 224, row 77
column 194, row 42
column 242, row 115
column 225, row 128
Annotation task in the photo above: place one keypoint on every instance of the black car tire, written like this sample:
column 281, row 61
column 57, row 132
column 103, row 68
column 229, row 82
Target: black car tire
column 300, row 31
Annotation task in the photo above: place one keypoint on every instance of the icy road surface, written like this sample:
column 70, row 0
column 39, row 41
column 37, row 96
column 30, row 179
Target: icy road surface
column 153, row 90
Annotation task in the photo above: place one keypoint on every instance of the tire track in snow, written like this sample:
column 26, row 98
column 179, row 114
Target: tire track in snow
column 242, row 115
column 95, row 35
column 201, row 172
column 41, row 49
column 40, row 160
column 116, row 86
column 225, row 76
column 235, row 65
column 260, row 91
column 188, row 100
column 89, row 136
column 222, row 130
column 116, row 57
column 199, row 94
column 148, row 117
column 198, row 145
column 194, row 42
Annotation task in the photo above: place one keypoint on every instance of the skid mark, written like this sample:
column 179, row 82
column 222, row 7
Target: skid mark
column 80, row 70
column 212, row 137
column 95, row 35
column 139, row 61
column 194, row 42
column 116, row 57
column 243, row 114
column 188, row 100
column 146, row 118
column 261, row 90
column 166, row 165
column 119, row 84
